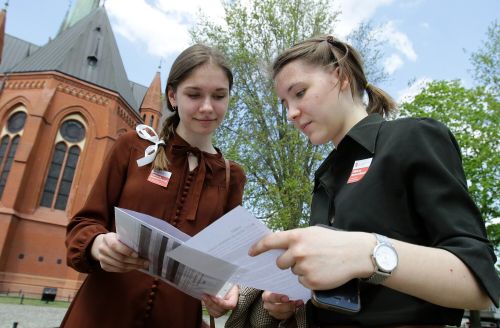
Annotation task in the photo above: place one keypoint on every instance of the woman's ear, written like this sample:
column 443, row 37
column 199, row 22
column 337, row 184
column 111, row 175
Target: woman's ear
column 336, row 78
column 171, row 96
column 344, row 85
column 342, row 79
column 333, row 70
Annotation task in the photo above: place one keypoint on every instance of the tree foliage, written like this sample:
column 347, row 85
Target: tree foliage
column 473, row 115
column 278, row 160
column 366, row 41
column 486, row 61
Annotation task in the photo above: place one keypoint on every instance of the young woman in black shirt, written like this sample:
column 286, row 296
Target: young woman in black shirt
column 396, row 191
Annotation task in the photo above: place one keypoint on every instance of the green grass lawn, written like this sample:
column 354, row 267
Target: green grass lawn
column 32, row 301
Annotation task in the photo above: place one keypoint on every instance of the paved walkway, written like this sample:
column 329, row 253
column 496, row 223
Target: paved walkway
column 29, row 316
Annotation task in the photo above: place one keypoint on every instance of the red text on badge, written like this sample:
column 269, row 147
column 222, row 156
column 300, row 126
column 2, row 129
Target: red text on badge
column 159, row 177
column 359, row 170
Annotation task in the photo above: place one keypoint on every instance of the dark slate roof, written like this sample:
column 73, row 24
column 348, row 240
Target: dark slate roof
column 14, row 51
column 87, row 51
column 138, row 90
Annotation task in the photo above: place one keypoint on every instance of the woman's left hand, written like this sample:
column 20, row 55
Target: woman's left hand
column 217, row 307
column 279, row 306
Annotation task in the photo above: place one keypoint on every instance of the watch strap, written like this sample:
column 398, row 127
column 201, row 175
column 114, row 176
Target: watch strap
column 381, row 239
column 379, row 276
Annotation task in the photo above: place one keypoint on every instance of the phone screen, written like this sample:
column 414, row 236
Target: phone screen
column 344, row 298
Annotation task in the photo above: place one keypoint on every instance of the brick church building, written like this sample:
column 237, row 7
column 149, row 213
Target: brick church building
column 62, row 106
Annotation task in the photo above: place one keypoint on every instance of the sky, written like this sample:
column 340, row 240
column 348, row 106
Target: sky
column 424, row 40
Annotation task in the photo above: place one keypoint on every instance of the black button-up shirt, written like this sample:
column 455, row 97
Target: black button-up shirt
column 414, row 191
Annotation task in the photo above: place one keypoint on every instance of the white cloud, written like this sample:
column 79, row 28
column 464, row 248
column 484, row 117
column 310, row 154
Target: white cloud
column 388, row 32
column 410, row 3
column 190, row 8
column 161, row 27
column 392, row 63
column 425, row 25
column 354, row 12
column 407, row 95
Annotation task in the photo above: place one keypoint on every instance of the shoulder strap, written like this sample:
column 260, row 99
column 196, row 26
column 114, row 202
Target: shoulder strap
column 228, row 173
column 228, row 176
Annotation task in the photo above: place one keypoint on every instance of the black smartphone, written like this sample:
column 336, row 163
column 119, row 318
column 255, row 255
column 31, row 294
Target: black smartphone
column 343, row 299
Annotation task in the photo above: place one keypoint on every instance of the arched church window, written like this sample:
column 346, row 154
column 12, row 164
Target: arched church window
column 10, row 136
column 16, row 122
column 72, row 131
column 67, row 178
column 69, row 142
column 151, row 120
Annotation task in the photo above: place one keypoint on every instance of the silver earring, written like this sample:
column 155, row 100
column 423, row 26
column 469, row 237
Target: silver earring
column 174, row 108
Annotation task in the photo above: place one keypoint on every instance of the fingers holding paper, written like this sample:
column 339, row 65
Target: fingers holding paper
column 217, row 306
column 114, row 256
column 321, row 258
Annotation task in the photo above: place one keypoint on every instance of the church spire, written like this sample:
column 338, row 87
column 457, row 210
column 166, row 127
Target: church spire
column 152, row 103
column 3, row 16
column 80, row 9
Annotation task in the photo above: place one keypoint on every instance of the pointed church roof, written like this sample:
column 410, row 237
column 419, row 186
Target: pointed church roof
column 87, row 51
column 79, row 10
column 152, row 99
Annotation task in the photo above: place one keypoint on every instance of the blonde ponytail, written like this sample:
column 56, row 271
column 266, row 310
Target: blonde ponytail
column 379, row 101
column 167, row 132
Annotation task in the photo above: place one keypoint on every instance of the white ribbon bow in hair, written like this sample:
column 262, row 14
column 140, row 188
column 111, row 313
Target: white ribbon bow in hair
column 146, row 132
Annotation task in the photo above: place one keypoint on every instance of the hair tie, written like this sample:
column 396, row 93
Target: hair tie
column 367, row 85
column 148, row 133
column 338, row 44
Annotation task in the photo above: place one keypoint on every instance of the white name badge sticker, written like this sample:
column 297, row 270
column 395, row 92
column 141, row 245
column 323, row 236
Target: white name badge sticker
column 159, row 177
column 359, row 170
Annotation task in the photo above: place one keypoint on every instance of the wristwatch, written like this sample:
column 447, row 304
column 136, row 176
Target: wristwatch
column 385, row 260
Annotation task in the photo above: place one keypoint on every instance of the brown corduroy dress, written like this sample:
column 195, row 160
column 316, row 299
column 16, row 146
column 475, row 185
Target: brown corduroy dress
column 191, row 201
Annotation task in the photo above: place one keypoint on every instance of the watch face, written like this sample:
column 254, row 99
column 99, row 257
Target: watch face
column 386, row 258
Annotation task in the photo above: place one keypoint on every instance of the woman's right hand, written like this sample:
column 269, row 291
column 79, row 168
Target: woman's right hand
column 114, row 256
column 279, row 306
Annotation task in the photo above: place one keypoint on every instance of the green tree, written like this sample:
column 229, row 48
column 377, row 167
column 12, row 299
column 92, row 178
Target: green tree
column 365, row 40
column 278, row 160
column 473, row 115
column 486, row 72
column 486, row 61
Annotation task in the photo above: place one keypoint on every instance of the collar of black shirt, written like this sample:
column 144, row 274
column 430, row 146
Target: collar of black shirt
column 365, row 132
